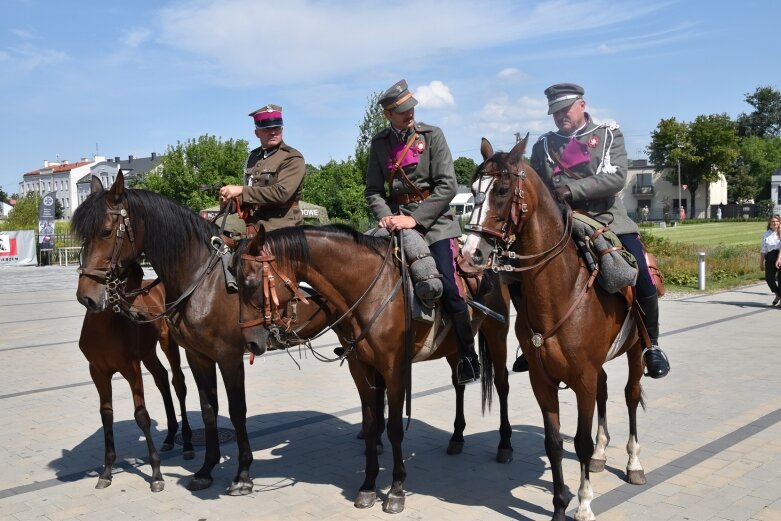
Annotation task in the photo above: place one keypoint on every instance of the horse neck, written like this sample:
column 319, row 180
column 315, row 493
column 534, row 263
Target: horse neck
column 341, row 270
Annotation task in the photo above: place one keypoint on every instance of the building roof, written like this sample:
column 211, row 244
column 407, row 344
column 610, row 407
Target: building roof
column 68, row 166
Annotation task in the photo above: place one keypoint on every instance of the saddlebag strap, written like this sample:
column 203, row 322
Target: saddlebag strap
column 396, row 169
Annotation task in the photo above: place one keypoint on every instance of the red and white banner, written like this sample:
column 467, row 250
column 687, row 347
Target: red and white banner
column 17, row 248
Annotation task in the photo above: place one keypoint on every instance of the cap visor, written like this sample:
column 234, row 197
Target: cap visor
column 563, row 104
column 404, row 107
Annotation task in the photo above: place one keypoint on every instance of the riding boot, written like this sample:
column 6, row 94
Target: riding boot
column 656, row 363
column 521, row 365
column 468, row 368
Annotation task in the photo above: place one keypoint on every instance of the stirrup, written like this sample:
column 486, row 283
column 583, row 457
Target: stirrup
column 657, row 361
column 472, row 373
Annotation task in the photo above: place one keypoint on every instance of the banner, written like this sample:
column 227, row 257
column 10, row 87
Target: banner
column 46, row 222
column 18, row 248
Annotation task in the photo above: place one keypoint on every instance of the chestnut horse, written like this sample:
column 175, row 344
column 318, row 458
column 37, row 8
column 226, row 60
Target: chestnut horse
column 112, row 343
column 116, row 226
column 371, row 312
column 565, row 326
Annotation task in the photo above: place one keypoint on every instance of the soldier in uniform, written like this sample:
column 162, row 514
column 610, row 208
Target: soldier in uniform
column 273, row 176
column 596, row 153
column 415, row 162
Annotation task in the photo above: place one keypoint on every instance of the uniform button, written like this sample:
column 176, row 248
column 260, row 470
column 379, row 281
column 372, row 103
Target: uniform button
column 557, row 179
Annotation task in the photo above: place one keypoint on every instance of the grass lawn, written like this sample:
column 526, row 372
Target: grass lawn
column 714, row 234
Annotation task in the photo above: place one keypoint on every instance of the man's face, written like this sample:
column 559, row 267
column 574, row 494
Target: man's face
column 570, row 119
column 401, row 120
column 270, row 137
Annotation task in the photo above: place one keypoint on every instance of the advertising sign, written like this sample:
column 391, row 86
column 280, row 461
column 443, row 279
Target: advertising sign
column 46, row 222
column 17, row 248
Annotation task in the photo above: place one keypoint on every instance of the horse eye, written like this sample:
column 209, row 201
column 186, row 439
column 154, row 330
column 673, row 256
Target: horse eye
column 502, row 190
column 106, row 233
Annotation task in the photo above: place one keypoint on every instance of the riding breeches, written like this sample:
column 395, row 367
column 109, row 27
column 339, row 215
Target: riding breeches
column 444, row 255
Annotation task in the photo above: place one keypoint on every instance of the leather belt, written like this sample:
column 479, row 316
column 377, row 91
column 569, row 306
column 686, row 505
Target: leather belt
column 410, row 198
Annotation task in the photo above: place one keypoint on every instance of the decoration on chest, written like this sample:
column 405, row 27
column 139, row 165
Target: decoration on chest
column 410, row 159
column 575, row 153
column 593, row 141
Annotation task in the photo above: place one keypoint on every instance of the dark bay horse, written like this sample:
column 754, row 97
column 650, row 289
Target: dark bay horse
column 116, row 226
column 112, row 343
column 369, row 298
column 565, row 326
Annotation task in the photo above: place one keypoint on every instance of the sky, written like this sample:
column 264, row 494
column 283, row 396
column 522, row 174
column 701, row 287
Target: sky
column 86, row 78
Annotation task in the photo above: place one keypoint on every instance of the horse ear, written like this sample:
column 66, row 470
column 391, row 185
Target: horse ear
column 95, row 185
column 516, row 154
column 486, row 150
column 118, row 188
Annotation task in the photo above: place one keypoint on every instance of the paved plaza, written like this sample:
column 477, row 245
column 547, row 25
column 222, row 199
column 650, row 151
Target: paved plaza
column 710, row 437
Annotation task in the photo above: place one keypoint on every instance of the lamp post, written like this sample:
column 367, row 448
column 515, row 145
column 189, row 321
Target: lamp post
column 680, row 201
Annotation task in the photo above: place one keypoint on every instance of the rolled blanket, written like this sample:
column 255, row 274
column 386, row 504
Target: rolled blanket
column 423, row 269
column 618, row 268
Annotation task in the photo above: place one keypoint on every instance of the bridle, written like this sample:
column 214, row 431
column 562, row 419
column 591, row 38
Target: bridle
column 505, row 237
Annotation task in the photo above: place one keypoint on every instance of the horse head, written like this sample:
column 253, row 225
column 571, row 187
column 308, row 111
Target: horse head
column 112, row 239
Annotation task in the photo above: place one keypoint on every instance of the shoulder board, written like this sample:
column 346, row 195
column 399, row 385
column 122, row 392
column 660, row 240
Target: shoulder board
column 422, row 128
column 609, row 124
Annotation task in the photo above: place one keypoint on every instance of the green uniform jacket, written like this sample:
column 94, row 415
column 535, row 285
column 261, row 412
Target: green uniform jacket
column 597, row 193
column 272, row 184
column 434, row 173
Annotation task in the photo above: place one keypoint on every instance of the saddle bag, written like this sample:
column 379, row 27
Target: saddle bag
column 617, row 266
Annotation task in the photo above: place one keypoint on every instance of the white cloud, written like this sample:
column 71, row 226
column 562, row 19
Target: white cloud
column 501, row 117
column 249, row 42
column 435, row 95
column 135, row 37
column 24, row 34
column 510, row 73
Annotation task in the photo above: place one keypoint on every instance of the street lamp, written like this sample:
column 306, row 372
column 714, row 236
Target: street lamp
column 680, row 201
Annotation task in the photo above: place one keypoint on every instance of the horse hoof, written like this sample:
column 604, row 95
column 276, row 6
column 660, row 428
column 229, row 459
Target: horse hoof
column 188, row 454
column 636, row 477
column 199, row 484
column 240, row 488
column 166, row 447
column 504, row 455
column 455, row 447
column 366, row 499
column 394, row 504
column 157, row 486
column 596, row 465
column 102, row 483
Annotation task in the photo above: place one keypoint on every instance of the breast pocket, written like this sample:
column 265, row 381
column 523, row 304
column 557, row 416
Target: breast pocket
column 264, row 177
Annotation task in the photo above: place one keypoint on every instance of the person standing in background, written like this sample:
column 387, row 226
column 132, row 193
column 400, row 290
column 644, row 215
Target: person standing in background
column 769, row 256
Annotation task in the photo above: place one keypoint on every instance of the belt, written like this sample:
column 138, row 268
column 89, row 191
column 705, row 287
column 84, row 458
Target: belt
column 264, row 207
column 410, row 198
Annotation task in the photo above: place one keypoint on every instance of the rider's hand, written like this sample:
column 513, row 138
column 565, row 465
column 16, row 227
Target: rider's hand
column 397, row 222
column 230, row 191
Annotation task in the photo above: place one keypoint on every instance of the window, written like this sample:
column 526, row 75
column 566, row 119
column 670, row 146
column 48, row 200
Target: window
column 643, row 180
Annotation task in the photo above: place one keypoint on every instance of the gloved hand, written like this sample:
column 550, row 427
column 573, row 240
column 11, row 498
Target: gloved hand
column 563, row 194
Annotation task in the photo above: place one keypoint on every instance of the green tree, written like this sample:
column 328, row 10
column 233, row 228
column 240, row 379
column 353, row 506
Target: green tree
column 703, row 149
column 3, row 196
column 741, row 186
column 759, row 158
column 765, row 120
column 25, row 213
column 465, row 170
column 58, row 209
column 373, row 121
column 338, row 186
column 204, row 162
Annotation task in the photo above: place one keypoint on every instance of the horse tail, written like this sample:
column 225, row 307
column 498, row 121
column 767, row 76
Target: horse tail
column 486, row 372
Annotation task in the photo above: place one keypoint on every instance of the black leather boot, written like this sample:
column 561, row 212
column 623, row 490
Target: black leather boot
column 521, row 365
column 468, row 368
column 656, row 363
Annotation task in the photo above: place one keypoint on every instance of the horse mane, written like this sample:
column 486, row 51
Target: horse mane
column 291, row 243
column 177, row 229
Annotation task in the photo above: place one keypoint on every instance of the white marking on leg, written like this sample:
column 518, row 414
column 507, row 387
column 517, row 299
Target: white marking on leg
column 585, row 496
column 633, row 449
column 603, row 439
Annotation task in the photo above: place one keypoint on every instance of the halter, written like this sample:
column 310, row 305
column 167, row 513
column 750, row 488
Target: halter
column 511, row 222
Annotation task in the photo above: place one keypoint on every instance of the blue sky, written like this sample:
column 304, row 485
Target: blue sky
column 131, row 78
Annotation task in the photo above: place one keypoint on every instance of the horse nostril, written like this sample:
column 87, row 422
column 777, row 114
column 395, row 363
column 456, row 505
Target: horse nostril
column 477, row 257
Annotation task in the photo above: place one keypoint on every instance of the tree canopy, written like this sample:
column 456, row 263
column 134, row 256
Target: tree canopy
column 465, row 170
column 765, row 119
column 25, row 213
column 189, row 167
column 373, row 121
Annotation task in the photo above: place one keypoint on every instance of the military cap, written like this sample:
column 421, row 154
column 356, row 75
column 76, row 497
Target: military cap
column 397, row 98
column 267, row 116
column 562, row 95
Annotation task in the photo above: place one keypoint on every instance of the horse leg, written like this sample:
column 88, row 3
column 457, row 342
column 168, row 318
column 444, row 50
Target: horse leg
column 205, row 374
column 633, row 393
column 133, row 375
column 493, row 349
column 456, row 444
column 394, row 503
column 366, row 381
column 585, row 392
column 599, row 458
column 160, row 376
column 548, row 400
column 379, row 417
column 171, row 350
column 103, row 385
column 233, row 375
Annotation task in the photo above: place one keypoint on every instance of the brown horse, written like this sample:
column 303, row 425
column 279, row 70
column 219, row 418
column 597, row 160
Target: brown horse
column 112, row 343
column 119, row 224
column 371, row 306
column 565, row 326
